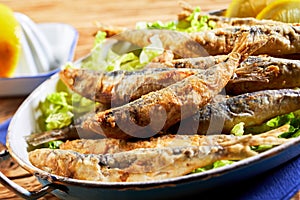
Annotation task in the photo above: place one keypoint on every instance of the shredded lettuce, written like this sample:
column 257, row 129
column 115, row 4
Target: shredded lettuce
column 99, row 38
column 238, row 129
column 261, row 148
column 104, row 58
column 193, row 23
column 53, row 144
column 152, row 50
column 293, row 119
column 59, row 108
column 217, row 164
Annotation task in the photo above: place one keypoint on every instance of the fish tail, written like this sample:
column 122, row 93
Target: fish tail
column 249, row 42
column 67, row 76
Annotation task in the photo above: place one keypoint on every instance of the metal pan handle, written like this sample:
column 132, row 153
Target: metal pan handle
column 22, row 192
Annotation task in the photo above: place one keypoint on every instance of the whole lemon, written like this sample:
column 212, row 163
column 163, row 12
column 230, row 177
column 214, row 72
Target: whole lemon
column 10, row 44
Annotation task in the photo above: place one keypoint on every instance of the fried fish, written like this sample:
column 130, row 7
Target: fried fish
column 163, row 108
column 147, row 164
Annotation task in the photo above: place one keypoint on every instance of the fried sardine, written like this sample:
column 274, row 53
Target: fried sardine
column 120, row 87
column 147, row 164
column 250, row 108
column 161, row 109
column 283, row 40
column 111, row 145
column 216, row 117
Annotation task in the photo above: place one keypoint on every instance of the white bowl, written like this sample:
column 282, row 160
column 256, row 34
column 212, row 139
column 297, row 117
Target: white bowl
column 63, row 39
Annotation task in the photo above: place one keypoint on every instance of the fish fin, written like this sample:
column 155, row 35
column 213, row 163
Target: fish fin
column 249, row 42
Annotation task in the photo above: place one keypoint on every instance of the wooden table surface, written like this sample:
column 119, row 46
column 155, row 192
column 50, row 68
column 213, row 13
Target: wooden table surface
column 82, row 15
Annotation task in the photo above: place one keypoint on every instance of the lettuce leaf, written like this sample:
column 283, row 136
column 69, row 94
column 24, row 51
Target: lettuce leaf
column 53, row 144
column 238, row 129
column 104, row 58
column 59, row 108
column 261, row 148
column 195, row 22
column 293, row 119
column 216, row 164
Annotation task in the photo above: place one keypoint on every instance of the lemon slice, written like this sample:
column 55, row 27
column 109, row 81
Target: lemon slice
column 282, row 10
column 10, row 44
column 245, row 8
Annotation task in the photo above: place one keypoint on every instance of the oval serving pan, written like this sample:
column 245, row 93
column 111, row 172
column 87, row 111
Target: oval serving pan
column 23, row 123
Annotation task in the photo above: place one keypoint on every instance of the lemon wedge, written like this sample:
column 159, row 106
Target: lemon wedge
column 282, row 10
column 246, row 8
column 10, row 44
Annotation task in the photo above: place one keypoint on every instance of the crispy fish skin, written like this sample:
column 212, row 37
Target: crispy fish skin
column 197, row 63
column 120, row 87
column 145, row 164
column 111, row 145
column 133, row 166
column 184, row 47
column 223, row 22
column 69, row 132
column 161, row 109
column 283, row 40
column 251, row 108
column 253, row 74
column 262, row 73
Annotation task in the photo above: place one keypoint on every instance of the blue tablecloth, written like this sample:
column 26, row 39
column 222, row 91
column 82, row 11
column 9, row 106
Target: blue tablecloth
column 3, row 130
column 281, row 182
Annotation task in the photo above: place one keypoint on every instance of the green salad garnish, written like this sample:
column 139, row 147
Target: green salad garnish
column 293, row 119
column 193, row 23
column 217, row 164
column 238, row 129
column 53, row 144
column 59, row 108
column 103, row 57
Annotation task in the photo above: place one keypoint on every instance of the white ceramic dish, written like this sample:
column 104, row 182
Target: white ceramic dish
column 63, row 39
